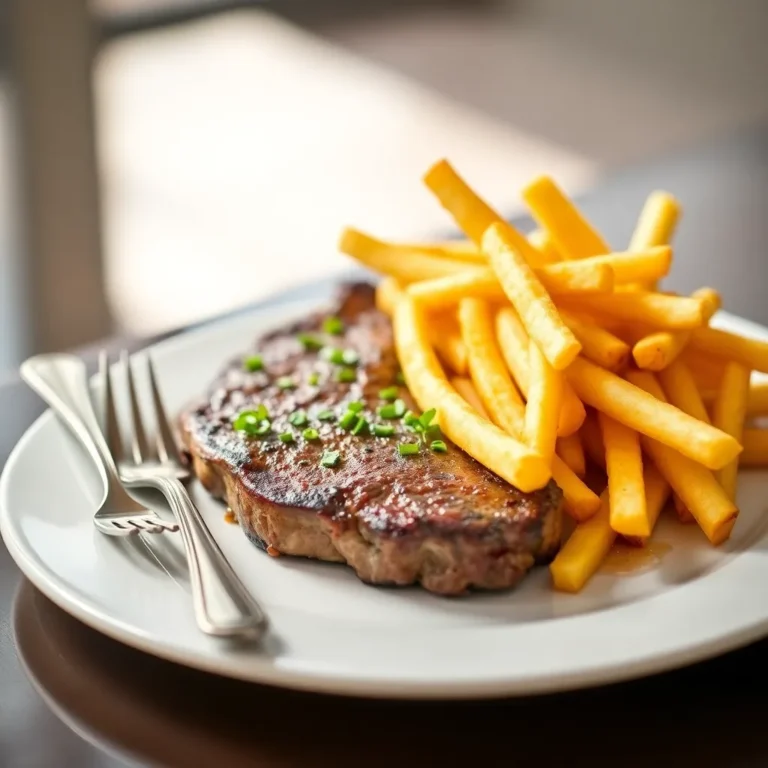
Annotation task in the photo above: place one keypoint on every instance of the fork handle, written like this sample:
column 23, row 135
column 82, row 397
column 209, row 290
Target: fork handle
column 222, row 604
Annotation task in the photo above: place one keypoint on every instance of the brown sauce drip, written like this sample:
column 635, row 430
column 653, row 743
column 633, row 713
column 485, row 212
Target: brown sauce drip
column 626, row 560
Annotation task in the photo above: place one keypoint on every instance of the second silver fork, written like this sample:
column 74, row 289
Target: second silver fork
column 222, row 604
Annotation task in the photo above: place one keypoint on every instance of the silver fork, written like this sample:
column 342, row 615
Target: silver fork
column 222, row 604
column 62, row 382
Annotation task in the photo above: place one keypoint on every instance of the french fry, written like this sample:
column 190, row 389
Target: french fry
column 683, row 513
column 597, row 344
column 755, row 448
column 513, row 340
column 388, row 293
column 694, row 484
column 624, row 463
column 571, row 451
column 462, row 250
column 653, row 309
column 729, row 413
column 626, row 266
column 509, row 458
column 635, row 408
column 751, row 353
column 592, row 440
column 446, row 339
column 657, row 492
column 400, row 262
column 657, row 350
column 545, row 396
column 501, row 400
column 541, row 240
column 681, row 390
column 465, row 388
column 530, row 299
column 573, row 236
column 707, row 370
column 656, row 225
column 584, row 551
column 757, row 404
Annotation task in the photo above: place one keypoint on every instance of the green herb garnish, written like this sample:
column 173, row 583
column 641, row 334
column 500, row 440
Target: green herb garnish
column 333, row 325
column 332, row 355
column 314, row 379
column 285, row 382
column 346, row 375
column 383, row 430
column 355, row 406
column 350, row 357
column 325, row 415
column 298, row 418
column 408, row 449
column 309, row 341
column 410, row 419
column 438, row 446
column 285, row 437
column 426, row 418
column 361, row 427
column 310, row 434
column 330, row 458
column 390, row 393
column 253, row 363
column 255, row 423
column 348, row 420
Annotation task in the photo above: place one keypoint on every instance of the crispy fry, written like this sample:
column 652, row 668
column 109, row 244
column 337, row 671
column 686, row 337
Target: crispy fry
column 707, row 370
column 653, row 309
column 530, row 299
column 542, row 411
column 573, row 236
column 627, row 266
column 541, row 240
column 729, row 413
column 656, row 225
column 757, row 405
column 509, row 458
column 571, row 451
column 751, row 353
column 755, row 448
column 584, row 551
column 696, row 486
column 624, row 463
column 592, row 440
column 597, row 344
column 513, row 340
column 446, row 339
column 388, row 293
column 635, row 408
column 461, row 249
column 681, row 390
column 657, row 492
column 465, row 388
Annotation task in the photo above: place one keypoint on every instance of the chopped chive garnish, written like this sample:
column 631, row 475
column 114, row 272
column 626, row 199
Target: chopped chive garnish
column 261, row 412
column 346, row 375
column 286, row 437
column 253, row 363
column 326, row 415
column 333, row 355
column 386, row 411
column 330, row 458
column 298, row 418
column 399, row 378
column 310, row 434
column 426, row 418
column 314, row 379
column 361, row 427
column 355, row 406
column 253, row 422
column 390, row 393
column 350, row 357
column 400, row 407
column 410, row 419
column 285, row 382
column 438, row 446
column 348, row 420
column 333, row 325
column 383, row 430
column 309, row 342
column 408, row 449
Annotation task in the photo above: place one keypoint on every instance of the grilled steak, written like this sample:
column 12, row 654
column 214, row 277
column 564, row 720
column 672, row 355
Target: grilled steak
column 440, row 519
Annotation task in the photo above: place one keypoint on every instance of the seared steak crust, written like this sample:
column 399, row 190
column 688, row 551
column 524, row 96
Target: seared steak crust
column 442, row 520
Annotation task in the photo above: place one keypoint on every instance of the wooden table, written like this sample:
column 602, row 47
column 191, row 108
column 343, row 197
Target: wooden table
column 121, row 707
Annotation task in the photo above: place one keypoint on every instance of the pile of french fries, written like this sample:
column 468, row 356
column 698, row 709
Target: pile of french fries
column 547, row 354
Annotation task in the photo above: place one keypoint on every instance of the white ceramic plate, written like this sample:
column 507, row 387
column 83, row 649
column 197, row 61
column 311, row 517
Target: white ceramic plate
column 332, row 633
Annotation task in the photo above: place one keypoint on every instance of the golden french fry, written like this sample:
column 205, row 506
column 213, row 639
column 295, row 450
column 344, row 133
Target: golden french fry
column 462, row 250
column 513, row 340
column 657, row 492
column 585, row 550
column 707, row 370
column 683, row 513
column 465, row 388
column 635, row 408
column 388, row 292
column 509, row 458
column 571, row 451
column 624, row 464
column 530, row 299
column 592, row 440
column 751, row 353
column 729, row 413
column 755, row 448
column 541, row 240
column 626, row 266
column 757, row 405
column 597, row 344
column 694, row 484
column 655, row 226
column 680, row 388
column 573, row 236
column 545, row 396
column 446, row 339
column 653, row 309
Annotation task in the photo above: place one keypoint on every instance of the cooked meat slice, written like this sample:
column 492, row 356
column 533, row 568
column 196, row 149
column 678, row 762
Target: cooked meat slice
column 439, row 519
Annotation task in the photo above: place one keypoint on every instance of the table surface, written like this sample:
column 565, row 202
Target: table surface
column 70, row 697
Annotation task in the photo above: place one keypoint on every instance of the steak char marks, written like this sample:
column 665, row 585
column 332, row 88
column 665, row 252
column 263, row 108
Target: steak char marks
column 442, row 520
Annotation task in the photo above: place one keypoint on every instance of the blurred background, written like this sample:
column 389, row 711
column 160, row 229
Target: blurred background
column 163, row 161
